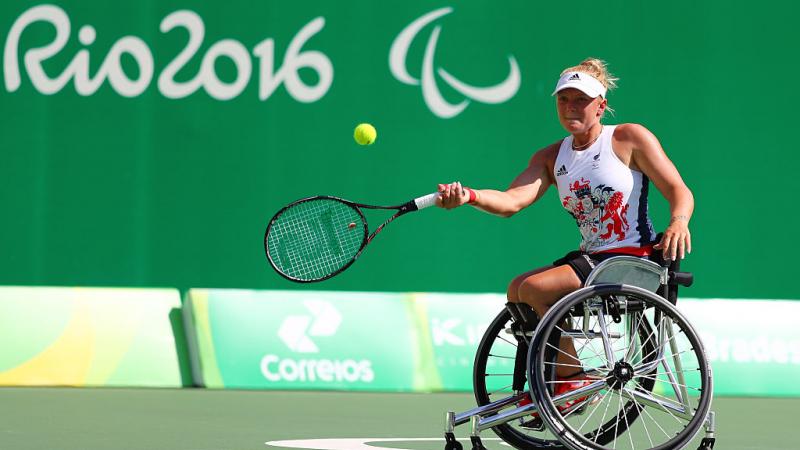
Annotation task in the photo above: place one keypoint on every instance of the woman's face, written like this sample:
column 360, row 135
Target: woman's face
column 578, row 112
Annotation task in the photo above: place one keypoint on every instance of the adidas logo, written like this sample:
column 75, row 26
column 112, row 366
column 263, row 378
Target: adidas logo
column 574, row 77
column 561, row 171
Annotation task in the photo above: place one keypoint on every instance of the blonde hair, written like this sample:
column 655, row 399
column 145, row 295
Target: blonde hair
column 599, row 70
column 596, row 68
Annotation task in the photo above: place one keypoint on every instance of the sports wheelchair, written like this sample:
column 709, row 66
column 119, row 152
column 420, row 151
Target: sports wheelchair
column 645, row 380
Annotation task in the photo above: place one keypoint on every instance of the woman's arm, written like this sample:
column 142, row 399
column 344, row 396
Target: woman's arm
column 527, row 188
column 649, row 157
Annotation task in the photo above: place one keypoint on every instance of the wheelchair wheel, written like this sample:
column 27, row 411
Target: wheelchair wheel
column 648, row 380
column 493, row 379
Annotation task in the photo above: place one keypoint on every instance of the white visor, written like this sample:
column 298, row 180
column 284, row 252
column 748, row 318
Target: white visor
column 582, row 81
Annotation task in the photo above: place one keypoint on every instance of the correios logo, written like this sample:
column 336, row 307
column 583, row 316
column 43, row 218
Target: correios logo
column 296, row 333
column 269, row 77
column 430, row 92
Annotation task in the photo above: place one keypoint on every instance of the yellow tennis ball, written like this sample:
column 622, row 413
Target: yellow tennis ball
column 365, row 134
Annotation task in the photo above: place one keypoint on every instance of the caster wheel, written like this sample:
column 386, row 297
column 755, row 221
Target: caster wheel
column 451, row 443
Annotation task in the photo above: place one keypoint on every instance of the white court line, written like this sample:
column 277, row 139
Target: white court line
column 354, row 443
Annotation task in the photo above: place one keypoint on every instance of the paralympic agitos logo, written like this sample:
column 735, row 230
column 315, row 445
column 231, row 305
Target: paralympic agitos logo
column 430, row 92
column 269, row 73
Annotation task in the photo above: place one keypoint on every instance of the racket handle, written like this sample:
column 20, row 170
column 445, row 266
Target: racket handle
column 426, row 200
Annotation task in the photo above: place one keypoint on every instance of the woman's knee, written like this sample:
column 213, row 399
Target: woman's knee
column 512, row 293
column 543, row 289
column 532, row 290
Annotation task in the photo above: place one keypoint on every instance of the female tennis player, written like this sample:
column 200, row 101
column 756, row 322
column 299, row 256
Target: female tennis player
column 602, row 173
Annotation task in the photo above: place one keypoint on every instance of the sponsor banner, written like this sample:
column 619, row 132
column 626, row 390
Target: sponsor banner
column 454, row 325
column 303, row 340
column 91, row 337
column 753, row 345
column 427, row 341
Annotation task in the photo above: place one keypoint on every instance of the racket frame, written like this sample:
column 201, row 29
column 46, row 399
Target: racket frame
column 405, row 208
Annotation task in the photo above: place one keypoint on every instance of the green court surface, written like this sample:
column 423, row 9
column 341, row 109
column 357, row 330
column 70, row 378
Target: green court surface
column 198, row 419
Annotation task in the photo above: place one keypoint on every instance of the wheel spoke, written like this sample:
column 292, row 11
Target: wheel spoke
column 501, row 389
column 501, row 356
column 640, row 407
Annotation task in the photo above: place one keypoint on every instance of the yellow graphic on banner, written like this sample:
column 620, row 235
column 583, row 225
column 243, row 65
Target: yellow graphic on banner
column 115, row 332
column 105, row 337
column 65, row 362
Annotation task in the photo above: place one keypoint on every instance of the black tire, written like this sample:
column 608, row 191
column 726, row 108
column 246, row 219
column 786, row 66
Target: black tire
column 512, row 434
column 651, row 314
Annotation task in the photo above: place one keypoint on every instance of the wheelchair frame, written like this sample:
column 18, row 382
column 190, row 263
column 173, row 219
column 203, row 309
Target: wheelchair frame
column 651, row 276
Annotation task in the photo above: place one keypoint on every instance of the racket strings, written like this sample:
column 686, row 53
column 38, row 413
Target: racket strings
column 314, row 239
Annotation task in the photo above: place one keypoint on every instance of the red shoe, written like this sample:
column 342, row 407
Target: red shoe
column 561, row 388
column 565, row 386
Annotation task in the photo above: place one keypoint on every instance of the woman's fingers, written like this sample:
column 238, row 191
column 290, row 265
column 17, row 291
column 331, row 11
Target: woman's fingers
column 440, row 190
column 664, row 244
column 451, row 195
column 674, row 244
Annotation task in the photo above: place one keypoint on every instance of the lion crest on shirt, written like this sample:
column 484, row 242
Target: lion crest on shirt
column 599, row 213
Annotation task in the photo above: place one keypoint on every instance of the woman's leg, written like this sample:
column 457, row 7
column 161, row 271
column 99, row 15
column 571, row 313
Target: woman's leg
column 522, row 312
column 541, row 289
column 512, row 294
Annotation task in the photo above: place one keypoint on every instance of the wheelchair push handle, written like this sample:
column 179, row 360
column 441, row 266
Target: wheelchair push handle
column 681, row 278
column 675, row 276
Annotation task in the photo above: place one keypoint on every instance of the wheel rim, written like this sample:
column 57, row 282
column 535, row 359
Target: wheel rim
column 660, row 405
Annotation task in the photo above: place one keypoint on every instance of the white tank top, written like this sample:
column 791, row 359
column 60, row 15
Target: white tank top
column 607, row 198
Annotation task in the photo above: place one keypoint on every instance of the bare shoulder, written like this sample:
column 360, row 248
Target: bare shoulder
column 543, row 161
column 633, row 133
column 631, row 140
column 547, row 154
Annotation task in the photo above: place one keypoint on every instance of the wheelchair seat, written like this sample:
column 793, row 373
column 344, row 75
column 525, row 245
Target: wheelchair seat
column 628, row 270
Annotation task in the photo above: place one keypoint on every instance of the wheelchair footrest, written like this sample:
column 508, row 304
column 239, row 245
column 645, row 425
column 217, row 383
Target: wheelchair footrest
column 476, row 443
column 450, row 442
column 706, row 444
column 534, row 424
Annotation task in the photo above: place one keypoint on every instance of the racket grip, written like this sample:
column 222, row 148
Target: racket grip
column 426, row 200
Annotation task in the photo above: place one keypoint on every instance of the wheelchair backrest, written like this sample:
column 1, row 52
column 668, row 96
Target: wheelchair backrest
column 627, row 270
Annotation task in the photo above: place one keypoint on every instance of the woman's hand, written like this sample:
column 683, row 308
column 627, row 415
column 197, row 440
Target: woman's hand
column 452, row 195
column 676, row 241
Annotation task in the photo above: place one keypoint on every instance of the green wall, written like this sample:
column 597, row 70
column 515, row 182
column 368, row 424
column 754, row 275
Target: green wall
column 146, row 190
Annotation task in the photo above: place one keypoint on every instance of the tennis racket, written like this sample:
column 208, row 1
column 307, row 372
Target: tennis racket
column 316, row 238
